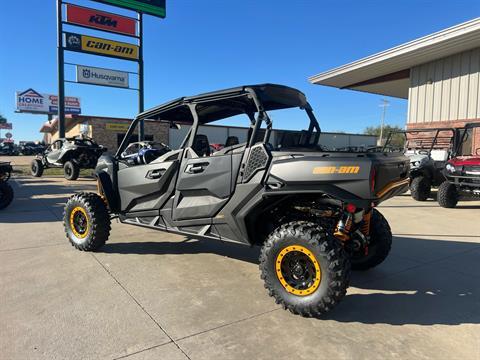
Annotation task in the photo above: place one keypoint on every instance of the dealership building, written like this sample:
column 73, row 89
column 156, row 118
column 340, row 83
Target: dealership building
column 439, row 75
column 109, row 132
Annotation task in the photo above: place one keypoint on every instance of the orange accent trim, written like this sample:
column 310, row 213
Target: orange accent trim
column 392, row 185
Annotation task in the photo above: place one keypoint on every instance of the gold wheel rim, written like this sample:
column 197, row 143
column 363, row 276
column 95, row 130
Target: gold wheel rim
column 281, row 276
column 74, row 212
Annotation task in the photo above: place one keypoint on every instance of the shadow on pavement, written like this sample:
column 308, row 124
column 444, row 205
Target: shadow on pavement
column 36, row 199
column 416, row 295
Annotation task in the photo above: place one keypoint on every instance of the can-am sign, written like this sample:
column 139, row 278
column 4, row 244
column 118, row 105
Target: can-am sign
column 30, row 101
column 100, row 76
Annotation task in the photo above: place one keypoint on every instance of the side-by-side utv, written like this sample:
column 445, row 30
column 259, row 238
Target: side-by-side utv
column 312, row 211
column 428, row 151
column 462, row 171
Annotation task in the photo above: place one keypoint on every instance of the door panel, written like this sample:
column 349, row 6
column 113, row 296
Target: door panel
column 203, row 187
column 56, row 150
column 146, row 187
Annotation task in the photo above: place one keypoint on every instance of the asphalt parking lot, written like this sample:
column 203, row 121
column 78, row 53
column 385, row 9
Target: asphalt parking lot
column 151, row 295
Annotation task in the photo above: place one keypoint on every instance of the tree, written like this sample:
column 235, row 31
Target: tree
column 3, row 119
column 397, row 140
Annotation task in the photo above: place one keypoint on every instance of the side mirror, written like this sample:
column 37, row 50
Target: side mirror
column 175, row 126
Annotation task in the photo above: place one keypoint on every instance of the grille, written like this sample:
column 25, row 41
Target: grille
column 258, row 160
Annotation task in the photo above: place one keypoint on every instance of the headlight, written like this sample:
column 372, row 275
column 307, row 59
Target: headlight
column 450, row 168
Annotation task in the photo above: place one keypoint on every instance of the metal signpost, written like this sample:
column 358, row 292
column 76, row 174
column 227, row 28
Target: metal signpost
column 85, row 17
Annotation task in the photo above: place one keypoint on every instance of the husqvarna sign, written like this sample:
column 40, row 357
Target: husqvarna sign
column 100, row 76
column 30, row 101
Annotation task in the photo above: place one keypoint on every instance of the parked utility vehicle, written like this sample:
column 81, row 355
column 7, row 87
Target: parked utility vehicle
column 428, row 151
column 72, row 154
column 462, row 172
column 313, row 212
column 6, row 191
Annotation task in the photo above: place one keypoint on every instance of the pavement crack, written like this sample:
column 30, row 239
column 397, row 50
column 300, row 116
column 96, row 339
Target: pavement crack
column 32, row 247
column 228, row 324
column 143, row 350
column 140, row 305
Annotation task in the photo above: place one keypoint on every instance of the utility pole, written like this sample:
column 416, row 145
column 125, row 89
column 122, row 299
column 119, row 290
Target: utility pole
column 61, row 72
column 385, row 103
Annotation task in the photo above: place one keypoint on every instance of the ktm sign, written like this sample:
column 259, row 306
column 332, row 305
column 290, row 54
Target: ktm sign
column 99, row 46
column 101, row 20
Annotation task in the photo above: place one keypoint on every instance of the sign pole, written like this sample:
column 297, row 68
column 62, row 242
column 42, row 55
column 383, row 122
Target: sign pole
column 141, row 128
column 61, row 74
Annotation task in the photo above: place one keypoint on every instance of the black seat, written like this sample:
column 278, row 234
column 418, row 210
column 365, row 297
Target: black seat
column 231, row 140
column 201, row 146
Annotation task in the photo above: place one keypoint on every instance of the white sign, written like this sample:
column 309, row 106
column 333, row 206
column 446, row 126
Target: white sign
column 99, row 76
column 31, row 101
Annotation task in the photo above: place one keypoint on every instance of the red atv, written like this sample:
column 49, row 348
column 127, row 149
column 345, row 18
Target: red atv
column 462, row 171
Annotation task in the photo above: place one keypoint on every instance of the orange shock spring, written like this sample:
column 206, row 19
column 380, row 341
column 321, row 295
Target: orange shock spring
column 342, row 231
column 366, row 223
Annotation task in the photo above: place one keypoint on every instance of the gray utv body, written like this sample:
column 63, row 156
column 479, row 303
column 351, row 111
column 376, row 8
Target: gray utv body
column 239, row 192
column 82, row 151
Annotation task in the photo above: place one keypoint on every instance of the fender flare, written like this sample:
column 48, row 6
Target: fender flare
column 106, row 190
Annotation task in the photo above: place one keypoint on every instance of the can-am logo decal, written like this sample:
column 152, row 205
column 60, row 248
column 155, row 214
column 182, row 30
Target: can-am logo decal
column 79, row 15
column 94, row 45
column 319, row 170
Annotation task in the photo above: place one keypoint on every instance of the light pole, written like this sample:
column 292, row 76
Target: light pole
column 385, row 103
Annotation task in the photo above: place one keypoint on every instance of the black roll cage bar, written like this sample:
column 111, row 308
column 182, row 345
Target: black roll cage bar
column 413, row 131
column 255, row 123
column 464, row 136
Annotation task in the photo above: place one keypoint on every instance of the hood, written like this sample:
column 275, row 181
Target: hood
column 465, row 160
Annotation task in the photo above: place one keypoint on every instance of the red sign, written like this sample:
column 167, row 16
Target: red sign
column 101, row 20
column 6, row 126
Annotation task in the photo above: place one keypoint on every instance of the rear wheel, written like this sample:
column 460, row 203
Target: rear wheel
column 420, row 188
column 36, row 168
column 379, row 245
column 6, row 194
column 304, row 269
column 71, row 170
column 447, row 195
column 86, row 221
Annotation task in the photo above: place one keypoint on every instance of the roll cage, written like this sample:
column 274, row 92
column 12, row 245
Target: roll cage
column 462, row 136
column 425, row 143
column 252, row 100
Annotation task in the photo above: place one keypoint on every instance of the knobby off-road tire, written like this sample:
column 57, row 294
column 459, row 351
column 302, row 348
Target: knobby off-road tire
column 420, row 188
column 86, row 221
column 36, row 168
column 71, row 170
column 315, row 248
column 378, row 247
column 6, row 194
column 447, row 195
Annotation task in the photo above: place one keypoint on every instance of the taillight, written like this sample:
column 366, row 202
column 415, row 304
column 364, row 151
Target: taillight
column 373, row 173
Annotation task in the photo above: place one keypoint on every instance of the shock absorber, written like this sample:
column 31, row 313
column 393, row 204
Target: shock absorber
column 344, row 225
column 367, row 217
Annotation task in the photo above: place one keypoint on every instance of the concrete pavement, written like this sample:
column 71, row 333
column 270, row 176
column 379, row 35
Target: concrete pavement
column 151, row 295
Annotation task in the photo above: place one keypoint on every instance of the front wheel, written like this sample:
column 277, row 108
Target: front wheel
column 304, row 269
column 6, row 194
column 420, row 188
column 447, row 195
column 71, row 170
column 379, row 245
column 86, row 221
column 36, row 168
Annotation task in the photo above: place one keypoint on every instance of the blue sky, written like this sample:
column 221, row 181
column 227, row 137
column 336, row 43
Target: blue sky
column 213, row 44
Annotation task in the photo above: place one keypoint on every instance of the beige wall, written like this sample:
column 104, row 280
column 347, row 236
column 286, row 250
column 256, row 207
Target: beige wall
column 446, row 89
